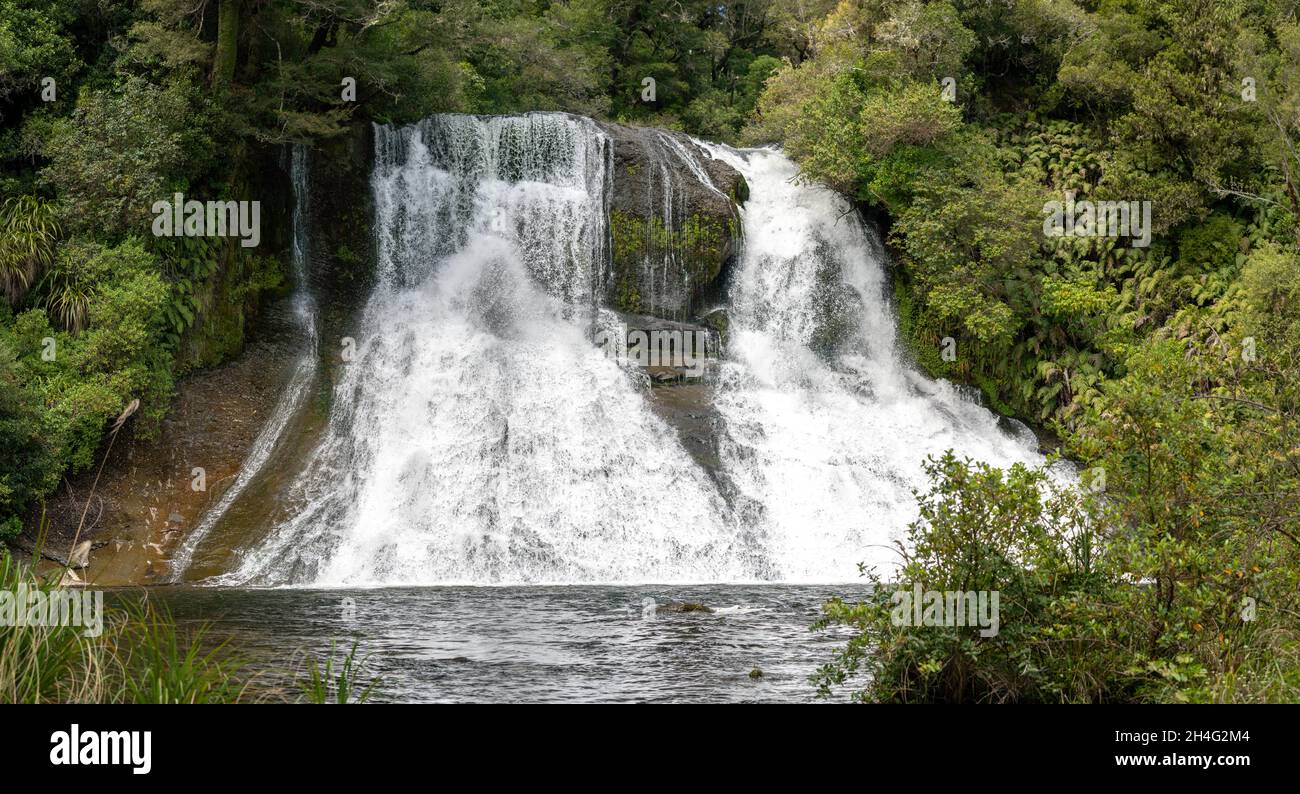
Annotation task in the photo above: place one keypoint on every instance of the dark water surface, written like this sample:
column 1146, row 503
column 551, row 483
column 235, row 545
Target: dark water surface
column 537, row 644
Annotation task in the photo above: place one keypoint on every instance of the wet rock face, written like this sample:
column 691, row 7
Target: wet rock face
column 341, row 248
column 150, row 493
column 673, row 222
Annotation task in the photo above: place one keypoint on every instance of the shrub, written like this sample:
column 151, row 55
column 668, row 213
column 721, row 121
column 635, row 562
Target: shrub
column 1037, row 544
column 115, row 156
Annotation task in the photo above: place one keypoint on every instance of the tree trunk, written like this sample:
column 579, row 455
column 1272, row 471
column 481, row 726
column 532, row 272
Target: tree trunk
column 223, row 64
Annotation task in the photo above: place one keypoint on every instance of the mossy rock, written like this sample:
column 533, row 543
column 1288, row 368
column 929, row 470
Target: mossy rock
column 719, row 321
column 685, row 607
column 671, row 231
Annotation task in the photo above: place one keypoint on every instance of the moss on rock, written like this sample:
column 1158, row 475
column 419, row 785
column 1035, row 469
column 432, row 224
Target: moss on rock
column 673, row 223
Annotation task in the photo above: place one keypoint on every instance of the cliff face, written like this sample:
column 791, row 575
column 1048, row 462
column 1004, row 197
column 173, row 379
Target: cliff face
column 673, row 216
column 341, row 250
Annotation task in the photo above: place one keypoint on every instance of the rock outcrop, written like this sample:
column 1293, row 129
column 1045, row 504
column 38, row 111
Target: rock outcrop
column 673, row 221
column 342, row 249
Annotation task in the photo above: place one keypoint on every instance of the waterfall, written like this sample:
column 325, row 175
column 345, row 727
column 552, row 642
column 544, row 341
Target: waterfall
column 303, row 305
column 479, row 436
column 827, row 427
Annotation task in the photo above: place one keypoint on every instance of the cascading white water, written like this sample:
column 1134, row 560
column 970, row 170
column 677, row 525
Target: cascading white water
column 479, row 436
column 826, row 448
column 300, row 379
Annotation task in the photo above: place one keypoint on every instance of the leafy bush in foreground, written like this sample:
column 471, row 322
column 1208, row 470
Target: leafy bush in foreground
column 1096, row 604
column 1039, row 546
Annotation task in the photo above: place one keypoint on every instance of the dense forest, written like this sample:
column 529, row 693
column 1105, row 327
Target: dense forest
column 1167, row 368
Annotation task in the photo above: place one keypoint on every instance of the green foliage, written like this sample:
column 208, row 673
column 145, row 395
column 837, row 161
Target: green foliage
column 1074, row 297
column 339, row 681
column 1041, row 547
column 69, row 383
column 29, row 229
column 708, row 60
column 191, row 261
column 141, row 656
column 35, row 43
column 1158, row 365
column 161, row 664
column 116, row 156
column 282, row 79
column 1160, row 590
column 550, row 57
column 1042, row 321
column 30, row 465
column 911, row 116
column 1201, row 455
